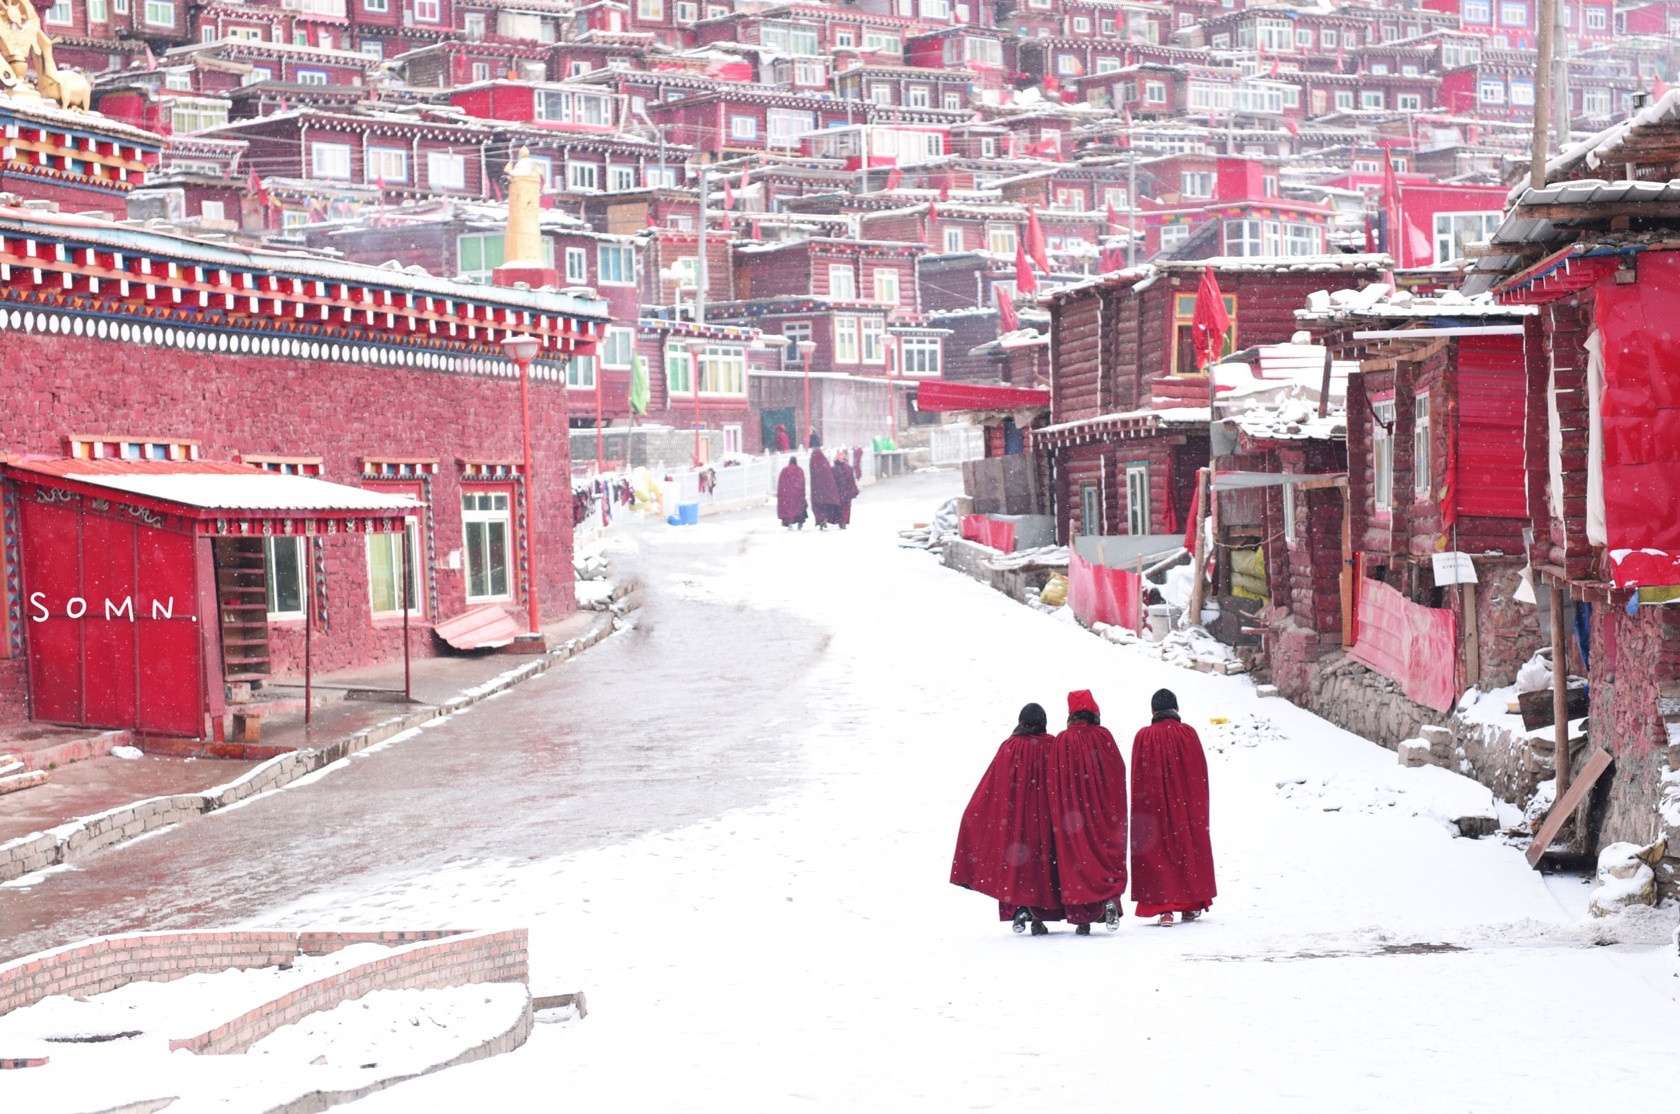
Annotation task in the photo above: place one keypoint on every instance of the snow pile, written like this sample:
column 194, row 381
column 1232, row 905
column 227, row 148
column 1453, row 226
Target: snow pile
column 1625, row 878
column 130, row 753
column 595, row 590
column 1247, row 730
column 931, row 535
column 397, row 1032
column 1535, row 674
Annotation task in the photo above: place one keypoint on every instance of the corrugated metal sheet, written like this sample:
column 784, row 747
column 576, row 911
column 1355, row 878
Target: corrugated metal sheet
column 215, row 486
column 481, row 628
column 1492, row 396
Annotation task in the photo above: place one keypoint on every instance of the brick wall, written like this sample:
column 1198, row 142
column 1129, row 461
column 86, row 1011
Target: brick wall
column 233, row 404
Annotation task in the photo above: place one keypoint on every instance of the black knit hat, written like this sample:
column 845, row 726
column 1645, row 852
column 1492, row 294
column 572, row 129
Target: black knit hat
column 1031, row 721
column 1163, row 701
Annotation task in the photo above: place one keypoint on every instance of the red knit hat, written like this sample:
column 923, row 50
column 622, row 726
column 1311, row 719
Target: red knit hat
column 1082, row 701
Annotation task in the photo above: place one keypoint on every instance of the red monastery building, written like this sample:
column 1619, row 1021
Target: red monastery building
column 156, row 382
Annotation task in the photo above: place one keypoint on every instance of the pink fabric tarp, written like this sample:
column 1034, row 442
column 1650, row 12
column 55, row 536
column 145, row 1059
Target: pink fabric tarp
column 999, row 535
column 1099, row 594
column 1406, row 642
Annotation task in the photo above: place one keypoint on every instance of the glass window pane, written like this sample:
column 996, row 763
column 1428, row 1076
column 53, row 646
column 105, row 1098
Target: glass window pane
column 497, row 553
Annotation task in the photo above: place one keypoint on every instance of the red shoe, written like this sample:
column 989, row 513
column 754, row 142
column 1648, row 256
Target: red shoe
column 1192, row 915
column 1166, row 920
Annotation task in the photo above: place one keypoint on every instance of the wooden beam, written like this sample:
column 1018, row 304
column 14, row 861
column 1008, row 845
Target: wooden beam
column 1597, row 763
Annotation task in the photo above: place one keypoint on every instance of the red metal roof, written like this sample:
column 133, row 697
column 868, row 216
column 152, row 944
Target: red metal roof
column 937, row 396
column 481, row 628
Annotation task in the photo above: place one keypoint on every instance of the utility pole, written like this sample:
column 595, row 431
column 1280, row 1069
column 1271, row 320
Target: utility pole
column 700, row 260
column 1560, row 81
column 1131, row 207
column 1543, row 76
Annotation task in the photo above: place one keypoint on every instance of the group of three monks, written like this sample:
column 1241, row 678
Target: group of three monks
column 1049, row 829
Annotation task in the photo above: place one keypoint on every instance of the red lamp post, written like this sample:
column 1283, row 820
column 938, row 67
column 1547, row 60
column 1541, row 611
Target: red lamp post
column 892, row 400
column 806, row 348
column 695, row 348
column 522, row 349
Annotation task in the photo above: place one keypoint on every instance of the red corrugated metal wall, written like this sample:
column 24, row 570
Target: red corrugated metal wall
column 1491, row 412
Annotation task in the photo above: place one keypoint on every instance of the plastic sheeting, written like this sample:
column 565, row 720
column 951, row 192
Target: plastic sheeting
column 999, row 535
column 1413, row 645
column 1641, row 421
column 1099, row 594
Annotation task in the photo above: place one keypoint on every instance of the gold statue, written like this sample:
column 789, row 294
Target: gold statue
column 21, row 38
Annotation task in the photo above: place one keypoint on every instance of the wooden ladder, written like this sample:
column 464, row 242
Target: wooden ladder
column 242, row 595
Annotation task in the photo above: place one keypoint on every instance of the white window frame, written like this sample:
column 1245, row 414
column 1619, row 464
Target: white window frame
column 743, row 127
column 428, row 11
column 886, row 285
column 953, row 241
column 160, row 13
column 446, row 170
column 842, row 282
column 1421, row 478
column 919, row 357
column 386, row 164
column 580, row 373
column 330, row 161
column 577, row 266
column 487, row 514
column 583, row 177
column 270, row 547
column 845, row 339
column 618, row 347
column 617, row 261
column 1382, row 455
column 392, row 544
column 1137, row 497
column 872, row 340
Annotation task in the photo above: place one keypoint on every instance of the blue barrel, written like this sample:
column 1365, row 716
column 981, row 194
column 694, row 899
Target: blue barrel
column 688, row 514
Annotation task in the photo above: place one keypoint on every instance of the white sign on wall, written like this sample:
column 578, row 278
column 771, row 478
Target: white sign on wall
column 1453, row 568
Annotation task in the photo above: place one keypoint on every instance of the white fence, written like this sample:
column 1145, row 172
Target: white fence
column 953, row 444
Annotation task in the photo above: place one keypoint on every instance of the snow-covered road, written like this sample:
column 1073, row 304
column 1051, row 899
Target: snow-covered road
column 770, row 927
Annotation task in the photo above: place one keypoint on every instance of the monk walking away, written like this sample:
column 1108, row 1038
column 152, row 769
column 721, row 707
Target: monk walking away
column 1088, row 815
column 825, row 497
column 1005, row 848
column 845, row 487
column 1172, row 853
column 790, row 495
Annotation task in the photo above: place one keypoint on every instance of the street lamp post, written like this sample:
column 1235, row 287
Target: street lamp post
column 522, row 349
column 892, row 400
column 695, row 348
column 806, row 348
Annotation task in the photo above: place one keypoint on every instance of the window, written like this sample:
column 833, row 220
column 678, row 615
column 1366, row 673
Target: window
column 472, row 25
column 1328, row 38
column 784, row 126
column 1594, row 102
column 660, row 177
column 98, row 12
column 580, row 373
column 376, row 5
column 917, row 96
column 1108, row 65
column 330, row 160
column 285, row 577
column 1522, row 92
column 617, row 346
column 1379, row 68
column 1304, row 38
column 1137, row 497
column 842, row 282
column 1454, row 231
column 387, row 164
column 743, row 127
column 794, row 331
column 477, row 254
column 1081, row 25
column 873, row 333
column 122, row 7
column 1344, row 100
column 879, row 42
column 845, row 340
column 650, row 10
column 1420, row 449
column 621, row 178
column 616, row 264
column 1301, row 239
column 310, row 77
column 1068, row 65
column 1513, row 14
column 1370, row 98
column 1287, row 490
column 845, row 39
column 195, row 115
column 809, row 71
column 687, row 11
column 389, row 575
column 785, row 38
column 1173, row 235
column 1090, row 510
column 1409, row 102
column 583, row 176
column 484, row 516
column 953, row 240
column 1000, row 239
column 59, row 13
column 1196, row 183
column 481, row 71
column 160, row 13
column 953, row 102
column 1596, row 19
column 1382, row 454
column 880, row 92
column 920, row 356
column 1478, row 11
column 1490, row 91
column 428, row 11
column 446, row 170
column 577, row 267
column 1155, row 92
column 886, row 285
column 936, row 9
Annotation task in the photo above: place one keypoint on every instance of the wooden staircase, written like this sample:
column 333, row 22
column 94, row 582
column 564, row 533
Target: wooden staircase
column 242, row 595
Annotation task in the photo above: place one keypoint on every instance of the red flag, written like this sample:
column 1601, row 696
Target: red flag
column 1025, row 281
column 1290, row 126
column 727, row 225
column 728, row 199
column 1112, row 219
column 933, row 211
column 254, row 186
column 1275, row 67
column 151, row 59
column 1659, row 88
column 894, row 177
column 1449, row 486
column 1210, row 322
column 1008, row 320
column 1110, row 260
column 1190, row 523
column 496, row 188
column 1391, row 206
column 651, row 223
column 1035, row 241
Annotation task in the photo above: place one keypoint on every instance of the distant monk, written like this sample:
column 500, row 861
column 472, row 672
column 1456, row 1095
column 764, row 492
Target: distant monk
column 1172, row 854
column 1088, row 810
column 845, row 485
column 857, row 463
column 782, row 442
column 825, row 497
column 1005, row 848
column 790, row 495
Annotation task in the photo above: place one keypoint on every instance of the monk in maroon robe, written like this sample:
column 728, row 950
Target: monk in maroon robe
column 1172, row 855
column 1005, row 848
column 1088, row 812
column 845, row 486
column 790, row 495
column 782, row 442
column 825, row 498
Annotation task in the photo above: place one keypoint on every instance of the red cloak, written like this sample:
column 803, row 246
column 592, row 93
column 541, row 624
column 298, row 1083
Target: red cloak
column 1172, row 855
column 1005, row 848
column 845, row 486
column 1088, row 810
column 790, row 495
column 825, row 498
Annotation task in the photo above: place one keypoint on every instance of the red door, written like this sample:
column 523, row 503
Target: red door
column 111, row 617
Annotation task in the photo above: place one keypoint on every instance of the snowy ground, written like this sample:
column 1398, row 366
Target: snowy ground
column 808, row 953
